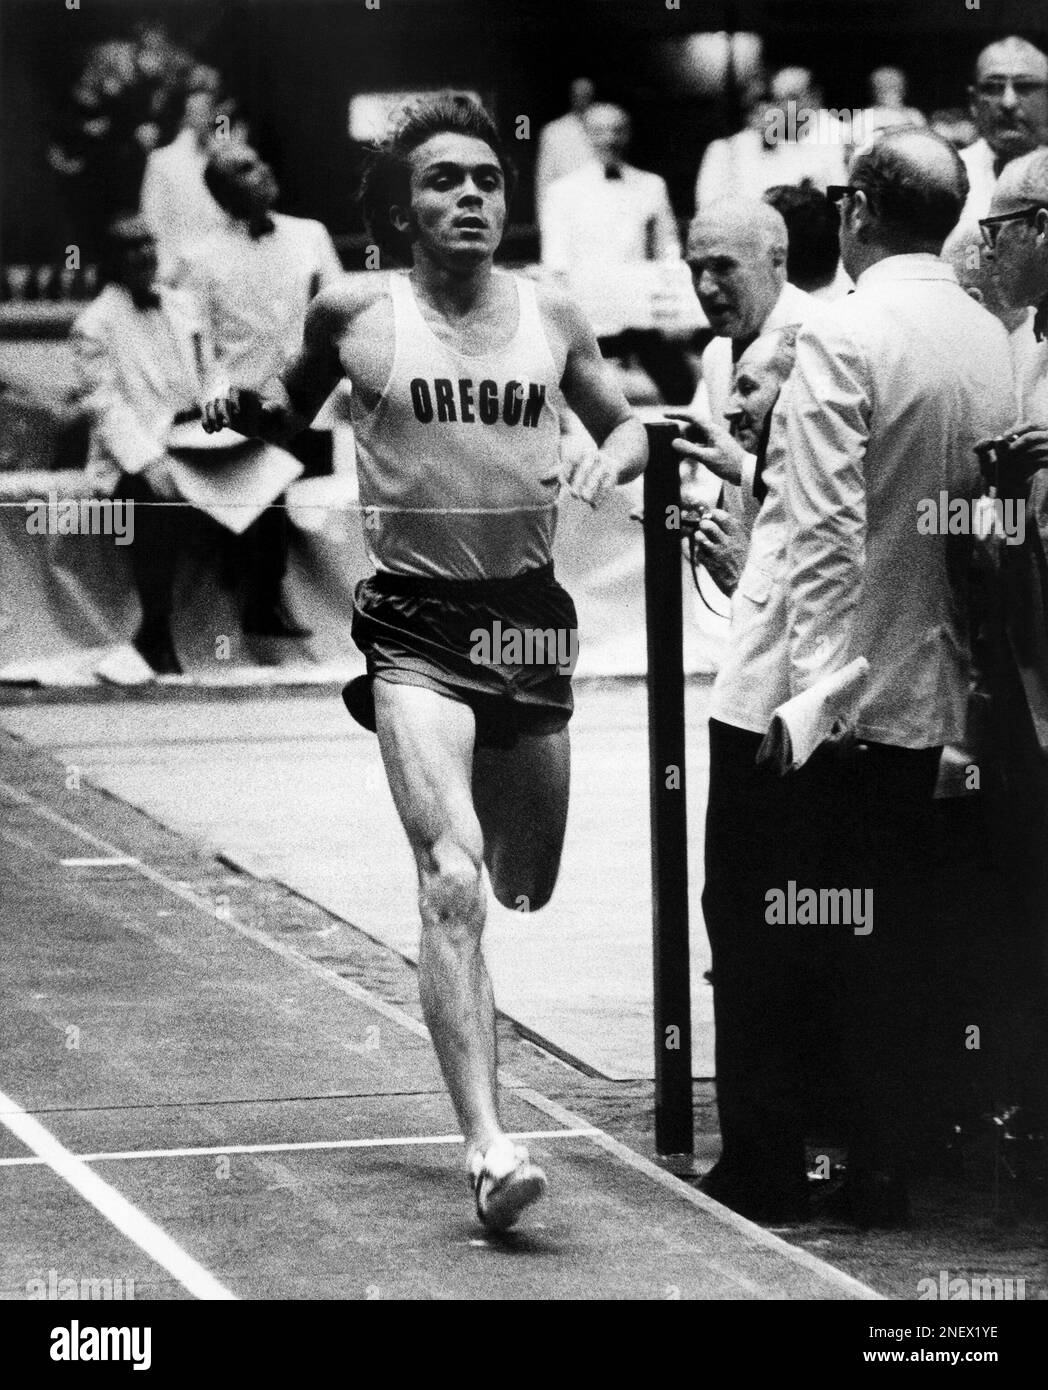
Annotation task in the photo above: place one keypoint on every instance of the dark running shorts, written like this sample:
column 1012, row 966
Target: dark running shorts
column 423, row 631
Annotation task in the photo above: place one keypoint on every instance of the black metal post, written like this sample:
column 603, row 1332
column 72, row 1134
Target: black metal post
column 674, row 1131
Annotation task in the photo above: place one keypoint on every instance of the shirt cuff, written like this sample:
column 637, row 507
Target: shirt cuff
column 749, row 474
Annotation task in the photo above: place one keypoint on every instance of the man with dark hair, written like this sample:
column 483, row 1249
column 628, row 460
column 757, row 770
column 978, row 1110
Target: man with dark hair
column 458, row 372
column 1009, row 104
column 814, row 256
column 890, row 392
column 175, row 200
column 1008, row 100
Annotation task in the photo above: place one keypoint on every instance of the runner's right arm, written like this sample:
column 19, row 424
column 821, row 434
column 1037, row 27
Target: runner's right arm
column 289, row 403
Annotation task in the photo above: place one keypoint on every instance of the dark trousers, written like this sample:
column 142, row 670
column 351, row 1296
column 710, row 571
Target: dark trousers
column 884, row 983
column 785, row 993
column 161, row 533
column 664, row 361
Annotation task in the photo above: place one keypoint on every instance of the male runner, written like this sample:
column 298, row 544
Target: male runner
column 459, row 372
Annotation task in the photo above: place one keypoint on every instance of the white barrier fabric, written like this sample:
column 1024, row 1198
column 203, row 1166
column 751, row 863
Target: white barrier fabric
column 67, row 601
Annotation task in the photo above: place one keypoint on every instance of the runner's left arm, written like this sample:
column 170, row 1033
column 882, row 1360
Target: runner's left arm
column 592, row 392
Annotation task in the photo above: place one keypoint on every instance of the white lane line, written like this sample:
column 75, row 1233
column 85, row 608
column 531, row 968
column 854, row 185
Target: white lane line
column 756, row 1235
column 116, row 1209
column 99, row 862
column 221, row 1150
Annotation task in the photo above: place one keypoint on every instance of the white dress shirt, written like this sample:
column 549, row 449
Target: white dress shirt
column 174, row 199
column 564, row 147
column 890, row 392
column 592, row 227
column 743, row 166
column 255, row 291
column 1031, row 367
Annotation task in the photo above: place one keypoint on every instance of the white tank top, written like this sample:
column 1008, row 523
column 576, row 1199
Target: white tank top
column 457, row 461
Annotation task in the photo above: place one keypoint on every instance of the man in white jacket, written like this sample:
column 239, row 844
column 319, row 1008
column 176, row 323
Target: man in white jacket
column 145, row 361
column 890, row 392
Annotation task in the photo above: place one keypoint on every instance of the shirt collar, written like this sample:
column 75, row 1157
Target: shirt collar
column 1040, row 320
column 239, row 228
column 920, row 265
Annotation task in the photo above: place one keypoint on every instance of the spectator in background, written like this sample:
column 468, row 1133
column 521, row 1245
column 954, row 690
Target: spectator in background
column 564, row 145
column 813, row 262
column 737, row 254
column 976, row 275
column 889, row 109
column 720, row 538
column 1017, row 240
column 887, row 398
column 255, row 277
column 953, row 125
column 1009, row 103
column 174, row 200
column 597, row 223
column 787, row 139
column 145, row 359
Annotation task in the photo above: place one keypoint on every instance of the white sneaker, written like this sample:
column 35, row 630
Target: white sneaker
column 504, row 1181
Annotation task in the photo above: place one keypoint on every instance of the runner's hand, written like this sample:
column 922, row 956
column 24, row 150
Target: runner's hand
column 235, row 407
column 587, row 473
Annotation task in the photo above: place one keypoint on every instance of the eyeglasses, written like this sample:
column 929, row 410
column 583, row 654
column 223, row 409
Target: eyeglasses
column 995, row 87
column 990, row 226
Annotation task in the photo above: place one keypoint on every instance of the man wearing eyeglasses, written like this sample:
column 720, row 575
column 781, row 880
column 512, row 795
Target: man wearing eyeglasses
column 891, row 389
column 1016, row 236
column 1009, row 104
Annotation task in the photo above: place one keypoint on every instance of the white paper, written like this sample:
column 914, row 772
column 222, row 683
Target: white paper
column 802, row 724
column 236, row 485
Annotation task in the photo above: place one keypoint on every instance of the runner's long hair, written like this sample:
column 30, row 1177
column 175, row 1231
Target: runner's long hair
column 386, row 181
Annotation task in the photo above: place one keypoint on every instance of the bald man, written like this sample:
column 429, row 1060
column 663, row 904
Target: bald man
column 888, row 396
column 737, row 253
column 1009, row 104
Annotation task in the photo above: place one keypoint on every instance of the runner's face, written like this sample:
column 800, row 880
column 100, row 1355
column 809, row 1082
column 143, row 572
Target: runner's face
column 458, row 198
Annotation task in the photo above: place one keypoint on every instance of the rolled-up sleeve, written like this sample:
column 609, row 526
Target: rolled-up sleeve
column 825, row 416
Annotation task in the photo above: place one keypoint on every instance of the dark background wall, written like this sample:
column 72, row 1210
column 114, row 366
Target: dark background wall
column 294, row 64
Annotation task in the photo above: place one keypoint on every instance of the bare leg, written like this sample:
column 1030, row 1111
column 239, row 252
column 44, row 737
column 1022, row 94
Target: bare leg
column 521, row 798
column 427, row 747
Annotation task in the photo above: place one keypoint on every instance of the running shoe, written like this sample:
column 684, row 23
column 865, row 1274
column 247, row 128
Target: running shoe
column 504, row 1181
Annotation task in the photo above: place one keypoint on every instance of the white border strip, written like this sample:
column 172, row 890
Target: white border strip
column 306, row 1146
column 116, row 1209
column 756, row 1235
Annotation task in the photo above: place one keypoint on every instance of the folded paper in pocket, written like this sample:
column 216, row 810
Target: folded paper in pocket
column 800, row 725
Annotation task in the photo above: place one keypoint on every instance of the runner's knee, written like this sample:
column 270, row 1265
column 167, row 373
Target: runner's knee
column 451, row 889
